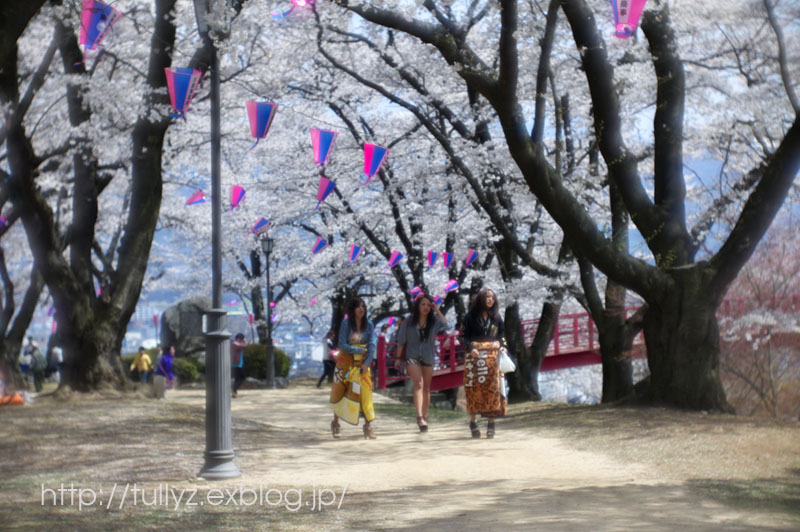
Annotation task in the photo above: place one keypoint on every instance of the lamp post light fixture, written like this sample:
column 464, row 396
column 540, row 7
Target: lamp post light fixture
column 266, row 246
column 219, row 440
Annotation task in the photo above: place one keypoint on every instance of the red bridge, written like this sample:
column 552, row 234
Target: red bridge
column 574, row 344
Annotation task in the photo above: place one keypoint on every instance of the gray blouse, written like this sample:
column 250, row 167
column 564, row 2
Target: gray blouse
column 416, row 348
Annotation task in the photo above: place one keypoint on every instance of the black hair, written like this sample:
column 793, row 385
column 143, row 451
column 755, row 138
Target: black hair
column 415, row 313
column 351, row 313
column 478, row 303
column 240, row 336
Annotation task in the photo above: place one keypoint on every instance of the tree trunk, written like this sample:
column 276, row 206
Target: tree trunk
column 519, row 387
column 682, row 338
column 541, row 342
column 616, row 347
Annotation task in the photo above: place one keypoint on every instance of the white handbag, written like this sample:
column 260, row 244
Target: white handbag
column 505, row 363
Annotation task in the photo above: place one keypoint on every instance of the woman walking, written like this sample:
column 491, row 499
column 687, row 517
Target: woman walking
column 351, row 393
column 483, row 335
column 417, row 341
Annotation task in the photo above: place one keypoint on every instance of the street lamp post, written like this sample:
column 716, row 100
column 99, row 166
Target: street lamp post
column 219, row 440
column 266, row 246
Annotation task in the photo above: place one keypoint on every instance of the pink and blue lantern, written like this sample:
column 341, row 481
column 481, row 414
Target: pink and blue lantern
column 250, row 318
column 391, row 321
column 447, row 258
column 237, row 195
column 395, row 259
column 322, row 141
column 471, row 256
column 182, row 84
column 355, row 251
column 3, row 221
column 438, row 300
column 97, row 19
column 324, row 190
column 272, row 304
column 415, row 291
column 261, row 225
column 313, row 302
column 276, row 317
column 196, row 197
column 319, row 245
column 374, row 156
column 626, row 16
column 261, row 115
column 432, row 256
column 295, row 5
column 451, row 286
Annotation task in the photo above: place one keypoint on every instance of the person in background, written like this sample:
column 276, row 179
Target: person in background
column 26, row 358
column 328, row 358
column 163, row 377
column 417, row 349
column 142, row 363
column 56, row 363
column 237, row 362
column 38, row 367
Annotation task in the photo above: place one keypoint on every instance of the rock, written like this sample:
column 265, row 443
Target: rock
column 182, row 326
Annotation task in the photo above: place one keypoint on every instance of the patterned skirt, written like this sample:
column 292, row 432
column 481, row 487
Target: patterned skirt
column 351, row 392
column 482, row 381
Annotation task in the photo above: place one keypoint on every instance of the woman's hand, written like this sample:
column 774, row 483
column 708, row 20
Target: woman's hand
column 474, row 353
column 364, row 369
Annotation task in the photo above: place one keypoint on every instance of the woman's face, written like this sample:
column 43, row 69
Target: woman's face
column 360, row 311
column 424, row 307
column 489, row 301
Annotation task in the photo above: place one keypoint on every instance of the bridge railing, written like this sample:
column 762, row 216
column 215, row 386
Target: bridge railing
column 449, row 357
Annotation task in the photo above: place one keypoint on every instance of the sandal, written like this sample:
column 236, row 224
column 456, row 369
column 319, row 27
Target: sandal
column 335, row 430
column 490, row 430
column 368, row 432
column 473, row 427
column 420, row 420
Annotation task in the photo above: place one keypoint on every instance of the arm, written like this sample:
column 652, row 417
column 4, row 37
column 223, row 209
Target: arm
column 344, row 340
column 372, row 344
column 469, row 333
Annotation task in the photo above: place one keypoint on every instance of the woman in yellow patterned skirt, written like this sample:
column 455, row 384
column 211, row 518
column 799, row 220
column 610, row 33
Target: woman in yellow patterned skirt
column 351, row 393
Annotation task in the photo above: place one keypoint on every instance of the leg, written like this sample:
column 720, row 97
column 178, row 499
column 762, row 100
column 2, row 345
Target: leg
column 473, row 426
column 415, row 374
column 490, row 428
column 427, row 376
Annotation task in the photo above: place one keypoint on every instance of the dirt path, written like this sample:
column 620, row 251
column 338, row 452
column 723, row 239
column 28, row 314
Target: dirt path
column 444, row 480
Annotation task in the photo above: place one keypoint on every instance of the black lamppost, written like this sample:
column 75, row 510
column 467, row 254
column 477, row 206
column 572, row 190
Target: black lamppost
column 219, row 440
column 266, row 246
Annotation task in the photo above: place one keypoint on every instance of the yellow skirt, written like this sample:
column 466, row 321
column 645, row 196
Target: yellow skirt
column 351, row 393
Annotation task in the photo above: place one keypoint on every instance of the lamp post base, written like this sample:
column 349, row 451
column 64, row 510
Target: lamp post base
column 219, row 466
column 219, row 445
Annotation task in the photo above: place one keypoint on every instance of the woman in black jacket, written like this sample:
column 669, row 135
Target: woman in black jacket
column 483, row 334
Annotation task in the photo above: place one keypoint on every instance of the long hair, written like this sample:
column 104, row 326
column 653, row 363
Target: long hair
column 478, row 303
column 351, row 313
column 415, row 314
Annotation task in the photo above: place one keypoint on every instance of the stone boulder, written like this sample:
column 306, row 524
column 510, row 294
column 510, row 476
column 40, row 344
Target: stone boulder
column 182, row 326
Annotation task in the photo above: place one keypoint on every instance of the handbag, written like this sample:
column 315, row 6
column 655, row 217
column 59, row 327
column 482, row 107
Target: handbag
column 506, row 365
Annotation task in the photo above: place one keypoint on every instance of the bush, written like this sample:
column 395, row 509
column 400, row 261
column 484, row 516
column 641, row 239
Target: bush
column 185, row 369
column 255, row 362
